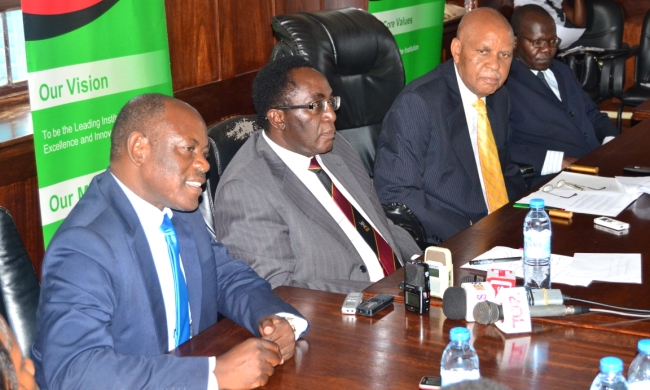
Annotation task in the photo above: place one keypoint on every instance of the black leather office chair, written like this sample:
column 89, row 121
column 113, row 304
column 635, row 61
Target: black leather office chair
column 361, row 61
column 602, row 73
column 19, row 287
column 640, row 91
column 225, row 138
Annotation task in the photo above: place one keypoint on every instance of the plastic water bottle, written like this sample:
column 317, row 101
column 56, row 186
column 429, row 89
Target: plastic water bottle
column 470, row 5
column 611, row 375
column 459, row 360
column 638, row 375
column 537, row 246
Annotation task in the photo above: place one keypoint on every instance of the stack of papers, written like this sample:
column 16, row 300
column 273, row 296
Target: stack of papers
column 579, row 270
column 604, row 196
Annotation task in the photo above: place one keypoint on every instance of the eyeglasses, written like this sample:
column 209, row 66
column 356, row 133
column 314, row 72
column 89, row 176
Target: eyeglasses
column 317, row 107
column 539, row 43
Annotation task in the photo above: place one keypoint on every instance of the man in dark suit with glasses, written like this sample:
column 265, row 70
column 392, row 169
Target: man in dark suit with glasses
column 553, row 121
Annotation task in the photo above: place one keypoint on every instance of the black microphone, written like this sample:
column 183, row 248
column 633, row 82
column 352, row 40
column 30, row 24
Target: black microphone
column 486, row 312
column 454, row 303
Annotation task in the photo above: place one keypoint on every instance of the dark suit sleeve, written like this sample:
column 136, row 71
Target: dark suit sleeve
column 603, row 125
column 74, row 323
column 407, row 132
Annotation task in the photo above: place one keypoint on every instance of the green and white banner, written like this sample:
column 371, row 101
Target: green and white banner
column 417, row 28
column 86, row 59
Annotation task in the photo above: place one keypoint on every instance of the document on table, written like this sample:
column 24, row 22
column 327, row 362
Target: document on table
column 560, row 265
column 607, row 267
column 579, row 270
column 608, row 201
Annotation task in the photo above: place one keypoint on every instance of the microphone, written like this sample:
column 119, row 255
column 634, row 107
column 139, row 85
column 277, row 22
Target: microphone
column 487, row 312
column 454, row 303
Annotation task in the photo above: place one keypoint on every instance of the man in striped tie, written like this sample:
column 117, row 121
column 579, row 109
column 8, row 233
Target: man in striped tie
column 296, row 202
column 443, row 147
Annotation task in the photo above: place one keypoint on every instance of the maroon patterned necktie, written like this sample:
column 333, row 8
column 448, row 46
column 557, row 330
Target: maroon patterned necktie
column 387, row 259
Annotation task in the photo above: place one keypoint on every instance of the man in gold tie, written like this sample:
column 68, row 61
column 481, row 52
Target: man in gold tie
column 442, row 150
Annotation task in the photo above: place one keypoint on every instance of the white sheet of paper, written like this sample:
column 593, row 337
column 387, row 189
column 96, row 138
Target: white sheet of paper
column 560, row 265
column 569, row 35
column 609, row 201
column 608, row 267
column 634, row 185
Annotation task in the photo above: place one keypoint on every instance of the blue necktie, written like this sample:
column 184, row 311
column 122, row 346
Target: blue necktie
column 182, row 331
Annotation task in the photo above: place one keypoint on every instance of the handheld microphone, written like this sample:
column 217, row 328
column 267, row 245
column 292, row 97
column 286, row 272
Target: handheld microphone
column 454, row 303
column 487, row 312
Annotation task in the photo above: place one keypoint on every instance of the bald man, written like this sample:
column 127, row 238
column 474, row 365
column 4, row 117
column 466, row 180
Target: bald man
column 132, row 272
column 442, row 153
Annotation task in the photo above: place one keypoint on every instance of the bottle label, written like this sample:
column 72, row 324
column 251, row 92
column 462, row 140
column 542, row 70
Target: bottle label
column 645, row 385
column 537, row 245
column 449, row 377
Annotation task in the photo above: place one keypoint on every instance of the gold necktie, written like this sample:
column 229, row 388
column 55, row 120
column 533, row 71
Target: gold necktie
column 495, row 188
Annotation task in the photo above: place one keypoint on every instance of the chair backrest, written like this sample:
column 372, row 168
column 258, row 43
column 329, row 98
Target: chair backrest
column 225, row 138
column 605, row 21
column 19, row 287
column 642, row 72
column 361, row 61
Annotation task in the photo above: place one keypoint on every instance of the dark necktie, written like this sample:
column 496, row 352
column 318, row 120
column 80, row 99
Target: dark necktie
column 384, row 252
column 182, row 331
column 540, row 76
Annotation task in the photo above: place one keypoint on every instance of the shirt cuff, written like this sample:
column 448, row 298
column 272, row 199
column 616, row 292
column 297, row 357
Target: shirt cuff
column 298, row 324
column 607, row 139
column 212, row 379
column 552, row 162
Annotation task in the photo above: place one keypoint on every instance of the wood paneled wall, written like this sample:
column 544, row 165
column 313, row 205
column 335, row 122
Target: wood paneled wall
column 217, row 47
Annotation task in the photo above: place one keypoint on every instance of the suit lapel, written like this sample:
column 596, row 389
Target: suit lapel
column 192, row 269
column 138, row 243
column 300, row 195
column 561, row 85
column 530, row 79
column 457, row 122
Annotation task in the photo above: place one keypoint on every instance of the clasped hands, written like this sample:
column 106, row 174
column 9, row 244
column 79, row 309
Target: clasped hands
column 251, row 363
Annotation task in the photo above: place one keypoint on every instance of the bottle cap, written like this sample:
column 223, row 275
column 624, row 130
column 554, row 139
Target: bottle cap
column 644, row 346
column 459, row 334
column 611, row 364
column 536, row 203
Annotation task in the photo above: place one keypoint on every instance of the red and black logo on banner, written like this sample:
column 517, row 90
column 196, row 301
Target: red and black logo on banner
column 45, row 19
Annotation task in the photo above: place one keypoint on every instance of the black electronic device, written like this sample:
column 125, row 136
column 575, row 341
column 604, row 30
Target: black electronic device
column 430, row 383
column 379, row 302
column 416, row 286
column 636, row 170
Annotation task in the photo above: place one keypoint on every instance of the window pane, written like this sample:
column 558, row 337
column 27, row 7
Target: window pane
column 3, row 62
column 17, row 46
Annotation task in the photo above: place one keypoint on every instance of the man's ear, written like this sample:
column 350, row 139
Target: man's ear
column 276, row 118
column 138, row 147
column 455, row 49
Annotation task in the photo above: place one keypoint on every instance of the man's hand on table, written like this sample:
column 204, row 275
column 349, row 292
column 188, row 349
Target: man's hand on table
column 247, row 365
column 280, row 331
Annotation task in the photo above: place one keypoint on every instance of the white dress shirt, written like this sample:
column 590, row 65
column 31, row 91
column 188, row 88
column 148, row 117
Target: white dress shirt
column 299, row 165
column 471, row 115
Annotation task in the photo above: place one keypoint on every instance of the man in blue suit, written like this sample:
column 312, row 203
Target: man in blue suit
column 118, row 291
column 428, row 156
column 553, row 121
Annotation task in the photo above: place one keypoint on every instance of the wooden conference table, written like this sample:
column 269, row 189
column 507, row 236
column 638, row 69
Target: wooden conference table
column 394, row 349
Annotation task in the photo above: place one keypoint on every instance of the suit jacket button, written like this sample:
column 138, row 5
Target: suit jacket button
column 571, row 114
column 363, row 269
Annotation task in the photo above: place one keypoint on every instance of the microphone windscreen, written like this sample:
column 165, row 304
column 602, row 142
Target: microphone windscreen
column 454, row 303
column 486, row 313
